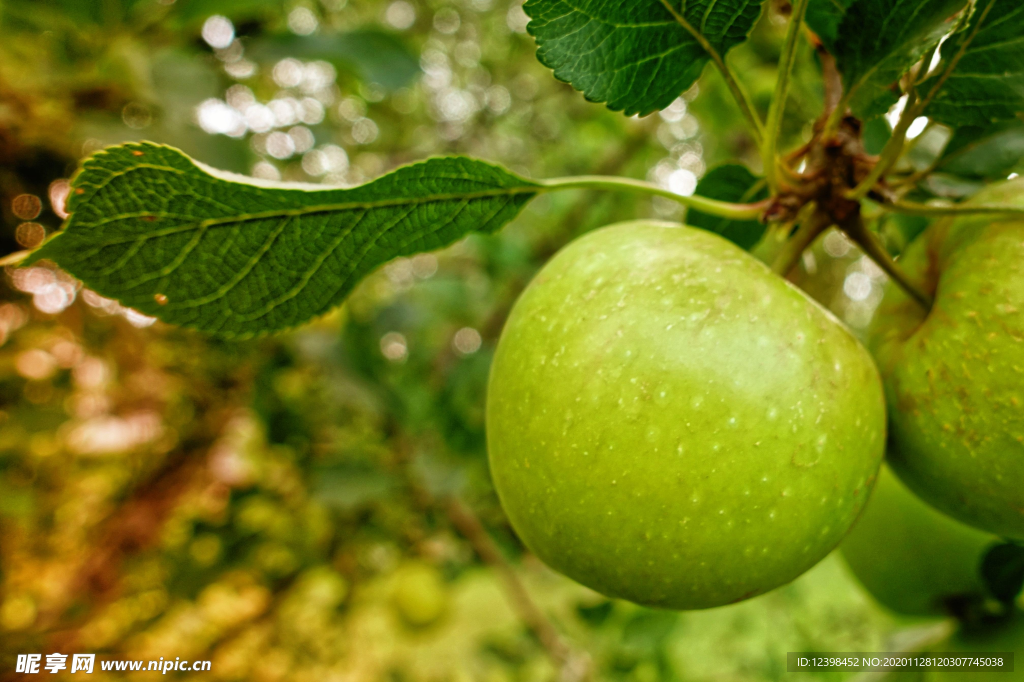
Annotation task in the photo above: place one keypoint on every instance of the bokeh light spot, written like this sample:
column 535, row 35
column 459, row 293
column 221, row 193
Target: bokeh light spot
column 26, row 206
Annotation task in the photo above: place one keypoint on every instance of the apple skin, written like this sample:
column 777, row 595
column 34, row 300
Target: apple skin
column 669, row 422
column 909, row 556
column 954, row 378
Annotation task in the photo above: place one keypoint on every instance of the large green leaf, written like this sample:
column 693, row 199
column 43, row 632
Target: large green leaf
column 733, row 183
column 635, row 56
column 990, row 152
column 161, row 234
column 879, row 40
column 987, row 84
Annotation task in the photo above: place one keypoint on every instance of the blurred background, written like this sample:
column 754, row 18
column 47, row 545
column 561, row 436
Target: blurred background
column 316, row 505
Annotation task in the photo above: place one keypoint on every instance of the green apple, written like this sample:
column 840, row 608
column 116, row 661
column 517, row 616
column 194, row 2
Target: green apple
column 909, row 556
column 954, row 377
column 671, row 423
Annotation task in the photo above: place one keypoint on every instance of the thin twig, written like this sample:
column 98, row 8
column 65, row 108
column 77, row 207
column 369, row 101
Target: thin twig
column 835, row 99
column 741, row 97
column 773, row 126
column 891, row 152
column 832, row 79
column 919, row 175
column 575, row 666
column 856, row 230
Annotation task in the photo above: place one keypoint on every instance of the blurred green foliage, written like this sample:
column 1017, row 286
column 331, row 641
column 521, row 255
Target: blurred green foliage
column 282, row 507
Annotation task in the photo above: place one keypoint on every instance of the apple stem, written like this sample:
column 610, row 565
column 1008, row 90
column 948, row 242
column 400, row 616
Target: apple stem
column 792, row 250
column 856, row 230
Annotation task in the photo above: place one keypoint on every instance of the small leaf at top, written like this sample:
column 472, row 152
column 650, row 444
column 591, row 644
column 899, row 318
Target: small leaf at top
column 879, row 40
column 987, row 84
column 734, row 183
column 991, row 152
column 636, row 56
column 237, row 258
column 1003, row 571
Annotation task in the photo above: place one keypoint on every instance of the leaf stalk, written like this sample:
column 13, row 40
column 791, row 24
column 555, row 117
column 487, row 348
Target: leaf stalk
column 714, row 207
column 741, row 97
column 891, row 152
column 773, row 127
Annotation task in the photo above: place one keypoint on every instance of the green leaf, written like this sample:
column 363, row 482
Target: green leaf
column 991, row 152
column 1003, row 571
column 378, row 56
column 987, row 84
column 824, row 17
column 879, row 40
column 635, row 56
column 160, row 233
column 734, row 183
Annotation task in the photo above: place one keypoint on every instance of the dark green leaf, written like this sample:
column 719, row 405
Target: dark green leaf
column 734, row 183
column 635, row 56
column 154, row 230
column 987, row 84
column 991, row 152
column 379, row 57
column 1003, row 571
column 824, row 17
column 878, row 40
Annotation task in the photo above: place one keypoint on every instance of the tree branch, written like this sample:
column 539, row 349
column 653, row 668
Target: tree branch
column 575, row 667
